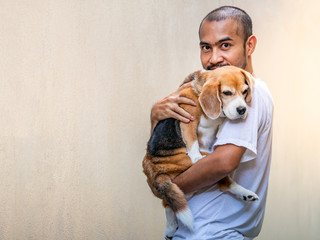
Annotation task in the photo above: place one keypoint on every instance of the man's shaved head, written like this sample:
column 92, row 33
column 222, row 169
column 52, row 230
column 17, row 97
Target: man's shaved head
column 228, row 12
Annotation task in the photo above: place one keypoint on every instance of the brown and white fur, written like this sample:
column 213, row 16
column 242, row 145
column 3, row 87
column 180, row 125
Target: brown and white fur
column 174, row 146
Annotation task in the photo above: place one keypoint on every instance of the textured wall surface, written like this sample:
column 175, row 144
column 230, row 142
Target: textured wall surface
column 77, row 82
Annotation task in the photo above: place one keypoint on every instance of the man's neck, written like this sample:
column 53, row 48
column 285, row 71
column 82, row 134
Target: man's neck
column 249, row 67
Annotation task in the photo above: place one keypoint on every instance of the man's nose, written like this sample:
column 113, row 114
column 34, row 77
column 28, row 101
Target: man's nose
column 216, row 57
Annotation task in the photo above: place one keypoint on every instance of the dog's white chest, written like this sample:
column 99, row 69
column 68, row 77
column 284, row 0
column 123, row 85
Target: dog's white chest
column 207, row 132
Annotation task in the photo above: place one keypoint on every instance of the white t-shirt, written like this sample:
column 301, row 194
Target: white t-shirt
column 219, row 215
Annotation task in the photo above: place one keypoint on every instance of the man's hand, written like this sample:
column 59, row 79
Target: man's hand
column 169, row 107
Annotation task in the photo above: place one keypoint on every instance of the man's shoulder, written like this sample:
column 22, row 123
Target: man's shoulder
column 263, row 101
column 262, row 93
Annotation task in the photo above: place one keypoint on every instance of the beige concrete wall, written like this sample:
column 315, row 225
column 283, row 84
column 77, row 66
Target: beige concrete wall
column 77, row 81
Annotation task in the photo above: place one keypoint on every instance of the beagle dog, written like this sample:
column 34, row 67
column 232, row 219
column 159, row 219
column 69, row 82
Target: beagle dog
column 174, row 146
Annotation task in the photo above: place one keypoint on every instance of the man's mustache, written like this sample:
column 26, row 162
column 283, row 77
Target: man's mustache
column 214, row 66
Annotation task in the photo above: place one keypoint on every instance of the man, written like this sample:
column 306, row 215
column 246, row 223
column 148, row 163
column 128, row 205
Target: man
column 243, row 147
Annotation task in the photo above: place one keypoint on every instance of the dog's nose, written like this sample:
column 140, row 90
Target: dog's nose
column 241, row 110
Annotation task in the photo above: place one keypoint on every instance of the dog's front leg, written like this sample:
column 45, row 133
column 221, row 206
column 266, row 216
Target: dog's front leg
column 194, row 152
column 190, row 138
column 190, row 130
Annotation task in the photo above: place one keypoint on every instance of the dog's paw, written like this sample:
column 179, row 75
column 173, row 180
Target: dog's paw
column 197, row 158
column 250, row 197
column 170, row 230
column 247, row 195
column 243, row 193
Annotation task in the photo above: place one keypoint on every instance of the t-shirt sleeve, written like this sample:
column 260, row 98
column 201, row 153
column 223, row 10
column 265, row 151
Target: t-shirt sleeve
column 241, row 132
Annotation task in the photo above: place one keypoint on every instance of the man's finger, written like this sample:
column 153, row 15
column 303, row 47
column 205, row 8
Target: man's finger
column 180, row 118
column 184, row 115
column 185, row 100
column 184, row 86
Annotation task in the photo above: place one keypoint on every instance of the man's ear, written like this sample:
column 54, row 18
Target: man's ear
column 210, row 101
column 251, row 45
column 250, row 83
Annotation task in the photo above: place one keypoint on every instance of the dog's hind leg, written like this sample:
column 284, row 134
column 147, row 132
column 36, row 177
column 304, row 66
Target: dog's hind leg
column 171, row 225
column 173, row 195
column 227, row 184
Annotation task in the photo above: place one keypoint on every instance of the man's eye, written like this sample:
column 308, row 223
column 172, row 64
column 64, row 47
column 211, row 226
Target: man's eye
column 205, row 48
column 227, row 93
column 225, row 45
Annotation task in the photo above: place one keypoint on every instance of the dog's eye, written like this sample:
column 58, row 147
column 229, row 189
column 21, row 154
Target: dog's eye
column 245, row 91
column 227, row 93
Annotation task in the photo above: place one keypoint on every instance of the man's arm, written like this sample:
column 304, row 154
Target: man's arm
column 210, row 169
column 169, row 108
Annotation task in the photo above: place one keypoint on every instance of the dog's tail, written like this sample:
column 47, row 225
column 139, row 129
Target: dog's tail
column 174, row 198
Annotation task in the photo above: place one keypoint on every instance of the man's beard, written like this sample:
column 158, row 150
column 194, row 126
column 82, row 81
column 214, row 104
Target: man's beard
column 214, row 66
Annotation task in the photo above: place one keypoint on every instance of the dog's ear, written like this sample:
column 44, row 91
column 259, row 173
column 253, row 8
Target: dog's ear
column 210, row 100
column 191, row 77
column 250, row 83
column 198, row 79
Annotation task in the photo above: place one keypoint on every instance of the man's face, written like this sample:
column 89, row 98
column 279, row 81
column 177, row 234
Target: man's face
column 222, row 43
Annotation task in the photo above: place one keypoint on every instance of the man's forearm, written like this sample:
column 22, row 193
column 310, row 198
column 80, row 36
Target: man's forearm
column 153, row 124
column 211, row 168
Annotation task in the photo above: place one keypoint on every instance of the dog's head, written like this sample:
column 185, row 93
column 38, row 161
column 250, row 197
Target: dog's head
column 226, row 91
